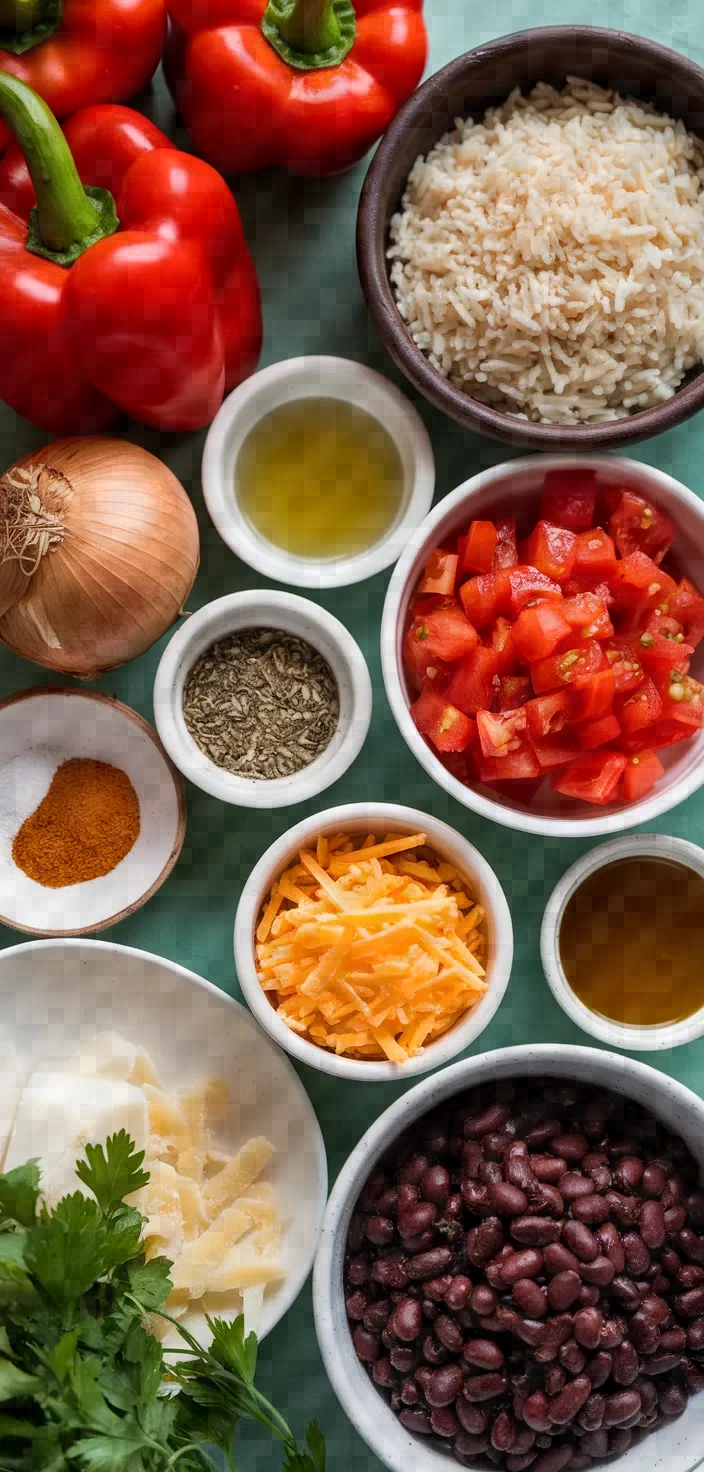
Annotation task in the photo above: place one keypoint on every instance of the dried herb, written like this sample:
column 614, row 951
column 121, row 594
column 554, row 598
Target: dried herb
column 261, row 704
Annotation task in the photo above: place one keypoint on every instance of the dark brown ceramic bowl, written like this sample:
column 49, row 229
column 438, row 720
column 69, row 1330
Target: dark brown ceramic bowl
column 483, row 78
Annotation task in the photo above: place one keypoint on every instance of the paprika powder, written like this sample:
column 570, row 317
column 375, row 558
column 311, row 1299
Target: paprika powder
column 308, row 84
column 86, row 824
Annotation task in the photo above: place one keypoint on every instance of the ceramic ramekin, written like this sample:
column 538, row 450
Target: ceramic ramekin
column 515, row 486
column 678, row 1443
column 377, row 817
column 616, row 1034
column 311, row 378
column 261, row 609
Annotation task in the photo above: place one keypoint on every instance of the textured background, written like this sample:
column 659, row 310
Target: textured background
column 302, row 236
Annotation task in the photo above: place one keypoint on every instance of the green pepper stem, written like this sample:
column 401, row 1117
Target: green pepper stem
column 66, row 219
column 21, row 15
column 310, row 26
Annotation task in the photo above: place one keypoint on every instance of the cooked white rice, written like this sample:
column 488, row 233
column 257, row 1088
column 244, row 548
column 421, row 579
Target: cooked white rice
column 550, row 260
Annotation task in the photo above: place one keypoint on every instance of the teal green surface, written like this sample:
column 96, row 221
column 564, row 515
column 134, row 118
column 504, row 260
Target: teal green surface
column 302, row 236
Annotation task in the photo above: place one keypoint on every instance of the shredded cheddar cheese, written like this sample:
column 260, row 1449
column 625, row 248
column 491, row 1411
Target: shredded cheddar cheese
column 371, row 949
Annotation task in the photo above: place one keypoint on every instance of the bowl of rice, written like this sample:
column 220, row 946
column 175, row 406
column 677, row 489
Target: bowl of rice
column 531, row 239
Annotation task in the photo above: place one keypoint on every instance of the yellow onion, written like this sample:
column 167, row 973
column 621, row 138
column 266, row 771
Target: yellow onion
column 98, row 551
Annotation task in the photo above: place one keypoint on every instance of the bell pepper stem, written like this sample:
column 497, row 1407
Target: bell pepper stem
column 310, row 26
column 68, row 218
column 21, row 15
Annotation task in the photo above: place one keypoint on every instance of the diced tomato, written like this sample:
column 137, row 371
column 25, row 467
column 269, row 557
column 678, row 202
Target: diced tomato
column 556, row 751
column 518, row 766
column 588, row 616
column 687, row 605
column 593, row 777
column 551, row 549
column 639, row 583
column 422, row 670
column 538, row 631
column 682, row 700
column 514, row 690
column 598, row 732
column 563, row 669
column 659, row 736
column 660, row 653
column 502, row 733
column 441, row 722
column 548, row 714
column 500, row 639
column 594, row 557
column 625, row 663
column 662, row 623
column 484, row 597
column 640, row 774
column 593, row 695
column 525, row 584
column 475, row 682
column 479, row 547
column 506, row 550
column 440, row 573
column 569, row 498
column 637, row 526
column 444, row 632
column 640, row 709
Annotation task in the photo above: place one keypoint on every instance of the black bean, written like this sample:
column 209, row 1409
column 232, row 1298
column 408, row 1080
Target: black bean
column 598, row 1273
column 413, row 1171
column 367, row 1345
column 572, row 1357
column 673, row 1400
column 448, row 1331
column 503, row 1432
column 429, row 1264
column 592, row 1412
column 563, row 1290
column 484, row 1241
column 588, row 1324
column 389, row 1273
column 526, row 1264
column 530, row 1298
column 547, row 1168
column 628, row 1173
column 407, row 1319
column 417, row 1421
column 383, row 1373
column 484, row 1353
column 534, row 1231
column 559, row 1259
column 535, row 1411
column 625, row 1364
column 444, row 1386
column 485, row 1387
column 490, row 1120
column 403, row 1359
column 565, row 1406
column 621, row 1406
column 690, row 1304
column 571, row 1148
column 579, row 1239
column 435, row 1185
column 542, row 1133
column 573, row 1185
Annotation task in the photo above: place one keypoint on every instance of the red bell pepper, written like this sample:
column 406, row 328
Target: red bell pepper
column 77, row 52
column 135, row 293
column 308, row 84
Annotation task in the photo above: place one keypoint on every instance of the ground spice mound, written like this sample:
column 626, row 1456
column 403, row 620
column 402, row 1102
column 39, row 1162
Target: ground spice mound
column 87, row 823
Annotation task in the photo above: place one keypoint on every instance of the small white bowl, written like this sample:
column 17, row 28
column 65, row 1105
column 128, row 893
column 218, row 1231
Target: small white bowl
column 261, row 609
column 675, row 1445
column 82, row 723
column 314, row 378
column 616, row 1034
column 377, row 817
column 56, row 995
column 516, row 485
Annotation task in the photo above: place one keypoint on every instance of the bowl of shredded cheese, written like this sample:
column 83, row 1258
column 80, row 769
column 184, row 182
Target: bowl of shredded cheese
column 373, row 942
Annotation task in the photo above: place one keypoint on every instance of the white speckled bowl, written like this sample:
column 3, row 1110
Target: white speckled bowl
column 676, row 1446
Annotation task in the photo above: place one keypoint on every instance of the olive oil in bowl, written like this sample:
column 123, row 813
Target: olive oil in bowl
column 320, row 478
column 631, row 941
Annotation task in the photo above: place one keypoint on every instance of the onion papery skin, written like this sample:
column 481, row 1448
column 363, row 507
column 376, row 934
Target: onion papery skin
column 124, row 568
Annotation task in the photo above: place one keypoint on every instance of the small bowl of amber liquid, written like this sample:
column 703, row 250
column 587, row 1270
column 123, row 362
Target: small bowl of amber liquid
column 622, row 942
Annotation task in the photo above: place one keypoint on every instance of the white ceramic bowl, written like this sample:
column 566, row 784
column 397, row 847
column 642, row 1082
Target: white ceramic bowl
column 616, row 1034
column 261, row 609
column 68, row 723
column 676, row 1446
column 381, row 818
column 313, row 378
column 54, row 997
column 513, row 486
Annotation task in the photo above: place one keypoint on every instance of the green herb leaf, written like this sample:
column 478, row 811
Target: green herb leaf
column 12, row 1248
column 150, row 1281
column 19, row 1192
column 114, row 1452
column 15, row 1384
column 122, row 1242
column 113, row 1172
column 66, row 1250
column 60, row 1359
column 315, row 1441
column 230, row 1348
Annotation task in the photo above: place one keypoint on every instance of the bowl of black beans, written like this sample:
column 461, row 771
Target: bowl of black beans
column 511, row 1269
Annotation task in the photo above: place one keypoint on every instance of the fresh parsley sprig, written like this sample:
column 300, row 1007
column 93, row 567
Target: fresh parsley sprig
column 81, row 1379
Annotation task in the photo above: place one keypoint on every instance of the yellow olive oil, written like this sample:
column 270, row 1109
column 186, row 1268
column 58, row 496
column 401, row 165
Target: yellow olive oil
column 320, row 478
column 632, row 941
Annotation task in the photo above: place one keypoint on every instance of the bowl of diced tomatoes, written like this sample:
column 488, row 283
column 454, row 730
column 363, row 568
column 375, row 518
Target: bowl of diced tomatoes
column 542, row 644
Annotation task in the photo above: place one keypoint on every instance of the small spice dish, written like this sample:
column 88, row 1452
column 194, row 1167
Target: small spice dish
column 301, row 620
column 41, row 729
column 378, row 819
column 635, row 1039
column 316, row 378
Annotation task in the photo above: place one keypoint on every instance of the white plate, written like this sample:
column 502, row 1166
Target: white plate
column 55, row 995
column 81, row 723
